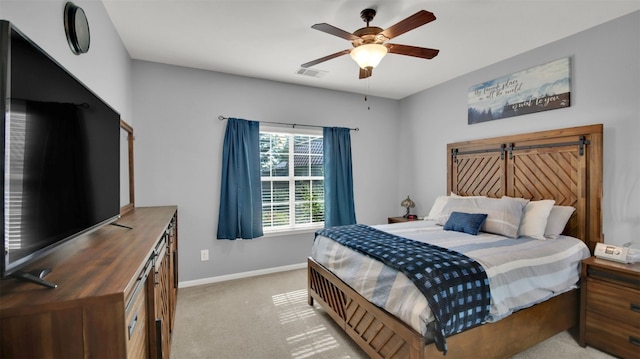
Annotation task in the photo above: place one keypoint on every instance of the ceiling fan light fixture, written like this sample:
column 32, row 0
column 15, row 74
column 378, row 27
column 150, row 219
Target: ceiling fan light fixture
column 368, row 55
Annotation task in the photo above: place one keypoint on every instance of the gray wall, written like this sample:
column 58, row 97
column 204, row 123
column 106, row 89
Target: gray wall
column 179, row 150
column 605, row 88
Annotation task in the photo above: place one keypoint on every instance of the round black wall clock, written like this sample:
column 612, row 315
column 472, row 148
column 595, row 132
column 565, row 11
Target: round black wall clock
column 76, row 27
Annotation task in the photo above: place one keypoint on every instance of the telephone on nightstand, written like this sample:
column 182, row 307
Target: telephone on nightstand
column 628, row 253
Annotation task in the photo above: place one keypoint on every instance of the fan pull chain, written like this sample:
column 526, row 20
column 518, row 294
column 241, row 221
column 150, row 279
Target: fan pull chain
column 368, row 90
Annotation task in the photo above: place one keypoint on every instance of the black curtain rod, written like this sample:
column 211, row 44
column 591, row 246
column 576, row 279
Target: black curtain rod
column 287, row 124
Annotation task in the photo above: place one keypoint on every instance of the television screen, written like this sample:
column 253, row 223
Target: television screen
column 61, row 153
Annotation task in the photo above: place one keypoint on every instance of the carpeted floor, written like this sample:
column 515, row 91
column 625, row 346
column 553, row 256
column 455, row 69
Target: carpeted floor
column 267, row 317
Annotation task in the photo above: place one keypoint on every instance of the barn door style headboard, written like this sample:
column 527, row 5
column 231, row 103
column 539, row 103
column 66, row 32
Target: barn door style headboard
column 564, row 165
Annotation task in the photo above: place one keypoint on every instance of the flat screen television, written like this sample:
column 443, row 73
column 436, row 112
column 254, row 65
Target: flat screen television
column 61, row 155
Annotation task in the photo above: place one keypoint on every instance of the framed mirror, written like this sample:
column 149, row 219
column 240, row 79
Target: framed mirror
column 127, row 197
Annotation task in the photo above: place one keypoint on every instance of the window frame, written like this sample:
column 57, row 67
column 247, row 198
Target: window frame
column 291, row 179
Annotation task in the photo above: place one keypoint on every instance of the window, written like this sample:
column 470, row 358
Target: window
column 292, row 174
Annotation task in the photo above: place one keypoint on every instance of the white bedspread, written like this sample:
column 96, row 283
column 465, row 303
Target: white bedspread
column 521, row 272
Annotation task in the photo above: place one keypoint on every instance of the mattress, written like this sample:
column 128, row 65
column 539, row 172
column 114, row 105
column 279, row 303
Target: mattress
column 521, row 272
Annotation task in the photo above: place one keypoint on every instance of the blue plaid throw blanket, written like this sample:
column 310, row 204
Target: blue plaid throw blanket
column 455, row 286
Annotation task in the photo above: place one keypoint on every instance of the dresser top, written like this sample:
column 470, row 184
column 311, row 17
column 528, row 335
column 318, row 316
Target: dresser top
column 102, row 263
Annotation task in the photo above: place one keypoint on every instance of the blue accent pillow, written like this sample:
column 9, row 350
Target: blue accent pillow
column 465, row 222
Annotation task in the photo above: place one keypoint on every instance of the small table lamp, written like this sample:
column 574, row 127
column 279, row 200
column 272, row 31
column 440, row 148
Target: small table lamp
column 407, row 203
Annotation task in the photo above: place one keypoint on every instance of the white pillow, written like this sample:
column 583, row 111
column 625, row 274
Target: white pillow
column 461, row 196
column 534, row 218
column 557, row 220
column 437, row 207
column 440, row 202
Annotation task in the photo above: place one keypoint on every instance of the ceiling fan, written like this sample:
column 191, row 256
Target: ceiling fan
column 370, row 42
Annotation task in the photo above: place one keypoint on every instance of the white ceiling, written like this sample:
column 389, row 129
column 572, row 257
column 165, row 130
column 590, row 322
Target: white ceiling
column 270, row 39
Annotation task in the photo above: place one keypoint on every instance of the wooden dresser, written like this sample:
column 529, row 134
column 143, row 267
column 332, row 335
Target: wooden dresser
column 610, row 307
column 116, row 294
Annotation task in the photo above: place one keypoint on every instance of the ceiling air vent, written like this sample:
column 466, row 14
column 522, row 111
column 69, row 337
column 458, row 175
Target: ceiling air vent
column 311, row 72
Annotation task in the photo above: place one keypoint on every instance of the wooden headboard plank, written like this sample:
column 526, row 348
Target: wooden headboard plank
column 540, row 136
column 595, row 187
column 563, row 164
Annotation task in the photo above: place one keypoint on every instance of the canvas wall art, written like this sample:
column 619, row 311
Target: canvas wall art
column 541, row 88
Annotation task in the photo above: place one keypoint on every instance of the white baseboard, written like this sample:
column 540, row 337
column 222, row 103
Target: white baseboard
column 223, row 278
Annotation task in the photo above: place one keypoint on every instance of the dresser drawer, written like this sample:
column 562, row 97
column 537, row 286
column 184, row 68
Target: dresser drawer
column 137, row 316
column 136, row 330
column 612, row 336
column 614, row 301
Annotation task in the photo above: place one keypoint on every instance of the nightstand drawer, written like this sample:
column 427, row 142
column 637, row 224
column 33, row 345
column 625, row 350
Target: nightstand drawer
column 612, row 336
column 614, row 302
column 629, row 280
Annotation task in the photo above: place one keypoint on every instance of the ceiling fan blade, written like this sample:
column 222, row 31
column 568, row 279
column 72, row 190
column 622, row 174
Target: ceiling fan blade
column 364, row 73
column 323, row 59
column 414, row 51
column 332, row 30
column 416, row 20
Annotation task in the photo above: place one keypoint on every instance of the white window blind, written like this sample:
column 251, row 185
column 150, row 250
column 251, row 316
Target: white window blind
column 292, row 174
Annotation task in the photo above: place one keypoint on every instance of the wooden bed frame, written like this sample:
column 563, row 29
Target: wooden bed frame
column 565, row 165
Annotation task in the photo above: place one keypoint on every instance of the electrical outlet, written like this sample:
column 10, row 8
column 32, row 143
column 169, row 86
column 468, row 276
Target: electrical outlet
column 204, row 255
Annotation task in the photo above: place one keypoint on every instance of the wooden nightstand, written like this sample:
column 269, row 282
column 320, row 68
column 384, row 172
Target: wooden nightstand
column 610, row 307
column 401, row 219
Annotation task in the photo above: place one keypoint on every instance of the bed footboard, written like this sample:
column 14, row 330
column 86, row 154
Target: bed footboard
column 381, row 335
column 377, row 332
